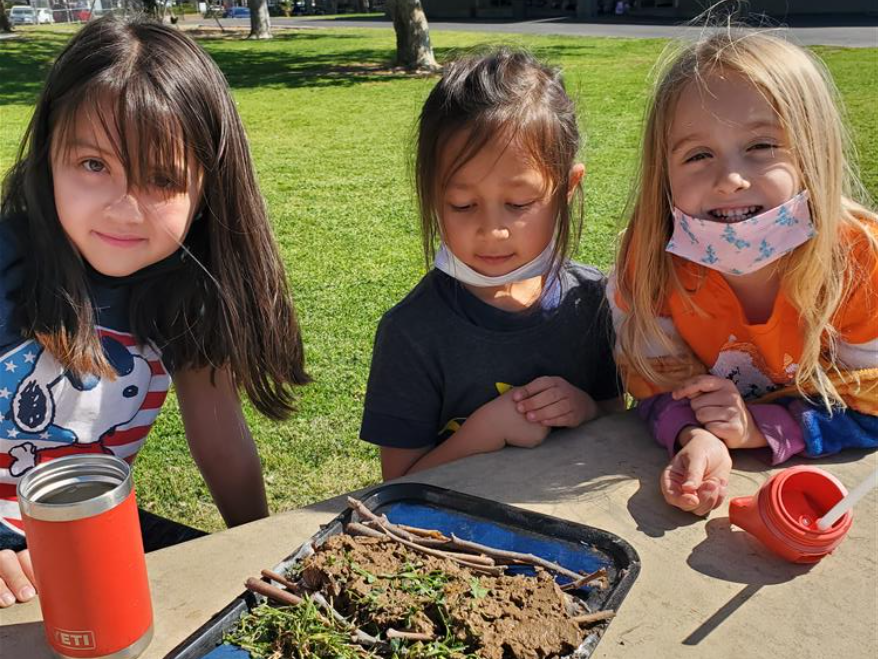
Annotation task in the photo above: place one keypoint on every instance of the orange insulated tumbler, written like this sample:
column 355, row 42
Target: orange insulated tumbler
column 83, row 533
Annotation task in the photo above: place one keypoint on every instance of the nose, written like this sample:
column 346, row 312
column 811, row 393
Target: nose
column 732, row 179
column 493, row 224
column 125, row 209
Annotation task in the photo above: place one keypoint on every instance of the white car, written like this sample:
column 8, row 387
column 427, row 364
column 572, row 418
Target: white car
column 22, row 15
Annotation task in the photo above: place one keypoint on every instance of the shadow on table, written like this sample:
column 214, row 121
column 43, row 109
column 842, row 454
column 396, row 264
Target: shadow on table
column 734, row 555
column 25, row 640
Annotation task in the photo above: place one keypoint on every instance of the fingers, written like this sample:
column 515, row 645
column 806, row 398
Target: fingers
column 538, row 401
column 700, row 384
column 711, row 494
column 721, row 398
column 672, row 491
column 14, row 584
column 535, row 387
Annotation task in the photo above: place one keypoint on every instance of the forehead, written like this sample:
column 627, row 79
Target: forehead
column 499, row 161
column 137, row 141
column 721, row 101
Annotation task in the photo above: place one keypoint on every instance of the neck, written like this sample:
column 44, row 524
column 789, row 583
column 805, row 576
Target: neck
column 757, row 292
column 515, row 296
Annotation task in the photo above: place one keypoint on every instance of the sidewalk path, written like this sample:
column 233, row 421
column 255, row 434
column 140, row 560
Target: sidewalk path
column 858, row 31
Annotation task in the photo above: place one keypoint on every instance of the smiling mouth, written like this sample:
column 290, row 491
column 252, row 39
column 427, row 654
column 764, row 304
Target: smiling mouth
column 120, row 241
column 731, row 215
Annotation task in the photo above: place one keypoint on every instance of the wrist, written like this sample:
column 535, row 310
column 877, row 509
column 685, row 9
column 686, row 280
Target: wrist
column 686, row 435
column 484, row 427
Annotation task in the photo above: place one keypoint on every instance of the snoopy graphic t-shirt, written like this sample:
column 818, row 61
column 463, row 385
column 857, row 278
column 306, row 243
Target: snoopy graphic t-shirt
column 46, row 412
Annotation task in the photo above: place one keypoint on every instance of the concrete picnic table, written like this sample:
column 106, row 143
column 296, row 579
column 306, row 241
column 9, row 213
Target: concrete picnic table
column 705, row 589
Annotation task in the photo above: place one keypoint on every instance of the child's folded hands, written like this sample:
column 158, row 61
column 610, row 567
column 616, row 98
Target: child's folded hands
column 552, row 401
column 719, row 407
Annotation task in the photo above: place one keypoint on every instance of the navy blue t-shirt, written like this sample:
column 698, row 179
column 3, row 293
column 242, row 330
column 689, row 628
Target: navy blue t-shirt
column 442, row 353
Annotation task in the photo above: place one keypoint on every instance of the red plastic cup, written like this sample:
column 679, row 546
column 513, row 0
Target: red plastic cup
column 783, row 514
column 83, row 533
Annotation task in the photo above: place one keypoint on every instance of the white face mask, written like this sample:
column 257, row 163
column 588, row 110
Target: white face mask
column 452, row 266
column 740, row 248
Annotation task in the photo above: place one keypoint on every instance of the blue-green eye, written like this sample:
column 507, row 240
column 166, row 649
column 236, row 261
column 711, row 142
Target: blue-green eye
column 93, row 165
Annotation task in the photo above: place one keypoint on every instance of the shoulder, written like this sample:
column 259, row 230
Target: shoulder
column 420, row 305
column 587, row 280
column 11, row 278
column 10, row 243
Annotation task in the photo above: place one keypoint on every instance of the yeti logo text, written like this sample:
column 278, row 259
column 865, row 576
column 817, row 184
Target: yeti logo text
column 75, row 640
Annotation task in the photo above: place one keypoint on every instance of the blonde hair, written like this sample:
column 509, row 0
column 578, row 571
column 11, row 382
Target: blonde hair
column 817, row 276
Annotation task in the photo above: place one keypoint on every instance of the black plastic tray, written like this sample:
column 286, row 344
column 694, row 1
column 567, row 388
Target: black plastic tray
column 574, row 546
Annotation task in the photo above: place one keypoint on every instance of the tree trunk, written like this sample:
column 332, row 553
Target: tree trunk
column 260, row 24
column 5, row 25
column 413, row 49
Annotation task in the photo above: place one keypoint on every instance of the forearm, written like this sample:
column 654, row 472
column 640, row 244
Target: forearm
column 221, row 444
column 234, row 478
column 476, row 435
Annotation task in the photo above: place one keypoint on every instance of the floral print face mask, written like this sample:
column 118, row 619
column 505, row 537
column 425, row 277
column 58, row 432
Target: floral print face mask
column 740, row 248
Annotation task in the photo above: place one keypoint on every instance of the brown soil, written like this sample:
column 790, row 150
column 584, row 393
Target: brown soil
column 381, row 584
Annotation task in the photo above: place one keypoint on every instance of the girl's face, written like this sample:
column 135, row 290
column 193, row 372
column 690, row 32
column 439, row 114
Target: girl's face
column 116, row 228
column 730, row 158
column 497, row 211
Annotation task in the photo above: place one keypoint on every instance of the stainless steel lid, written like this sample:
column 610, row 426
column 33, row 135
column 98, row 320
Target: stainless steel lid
column 74, row 487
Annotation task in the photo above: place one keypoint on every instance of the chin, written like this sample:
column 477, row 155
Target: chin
column 114, row 270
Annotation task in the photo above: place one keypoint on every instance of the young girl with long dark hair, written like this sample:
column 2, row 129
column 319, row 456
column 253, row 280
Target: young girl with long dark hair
column 135, row 251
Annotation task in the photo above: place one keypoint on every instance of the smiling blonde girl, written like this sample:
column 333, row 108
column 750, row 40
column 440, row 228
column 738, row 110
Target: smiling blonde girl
column 744, row 297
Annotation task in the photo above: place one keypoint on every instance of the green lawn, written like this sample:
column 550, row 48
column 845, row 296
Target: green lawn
column 331, row 149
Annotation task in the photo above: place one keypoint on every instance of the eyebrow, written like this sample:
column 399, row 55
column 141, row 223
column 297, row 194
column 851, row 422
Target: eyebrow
column 753, row 126
column 514, row 182
column 84, row 144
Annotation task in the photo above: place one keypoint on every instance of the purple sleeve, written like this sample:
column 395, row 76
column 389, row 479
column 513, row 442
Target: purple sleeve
column 666, row 417
column 782, row 432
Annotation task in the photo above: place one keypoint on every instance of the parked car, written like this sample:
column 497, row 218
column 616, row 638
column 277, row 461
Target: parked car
column 237, row 12
column 21, row 15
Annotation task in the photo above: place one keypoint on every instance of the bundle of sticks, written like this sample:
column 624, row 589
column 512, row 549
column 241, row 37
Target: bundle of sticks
column 478, row 558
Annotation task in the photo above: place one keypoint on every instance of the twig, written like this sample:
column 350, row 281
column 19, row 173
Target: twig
column 389, row 529
column 598, row 575
column 272, row 592
column 359, row 635
column 513, row 555
column 282, row 580
column 597, row 616
column 409, row 636
column 424, row 533
column 353, row 528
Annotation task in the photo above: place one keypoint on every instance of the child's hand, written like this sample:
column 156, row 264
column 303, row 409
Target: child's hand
column 719, row 407
column 696, row 478
column 16, row 577
column 515, row 429
column 552, row 401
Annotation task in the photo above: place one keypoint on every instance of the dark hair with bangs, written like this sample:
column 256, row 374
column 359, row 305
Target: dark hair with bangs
column 164, row 104
column 500, row 93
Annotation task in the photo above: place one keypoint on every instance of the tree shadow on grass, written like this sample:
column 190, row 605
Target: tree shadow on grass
column 24, row 63
column 273, row 65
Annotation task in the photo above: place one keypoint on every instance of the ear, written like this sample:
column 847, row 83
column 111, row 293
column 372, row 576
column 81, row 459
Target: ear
column 577, row 173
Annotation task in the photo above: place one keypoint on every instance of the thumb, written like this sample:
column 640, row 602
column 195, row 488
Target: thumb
column 695, row 469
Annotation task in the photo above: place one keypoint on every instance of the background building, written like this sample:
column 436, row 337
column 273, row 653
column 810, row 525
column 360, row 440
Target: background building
column 683, row 9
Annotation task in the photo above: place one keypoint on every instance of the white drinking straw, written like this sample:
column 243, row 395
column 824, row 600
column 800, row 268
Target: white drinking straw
column 848, row 502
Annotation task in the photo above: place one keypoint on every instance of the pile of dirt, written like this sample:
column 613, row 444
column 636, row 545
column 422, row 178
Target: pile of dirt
column 380, row 584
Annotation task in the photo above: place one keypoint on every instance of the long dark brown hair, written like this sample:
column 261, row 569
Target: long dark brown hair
column 499, row 93
column 164, row 104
